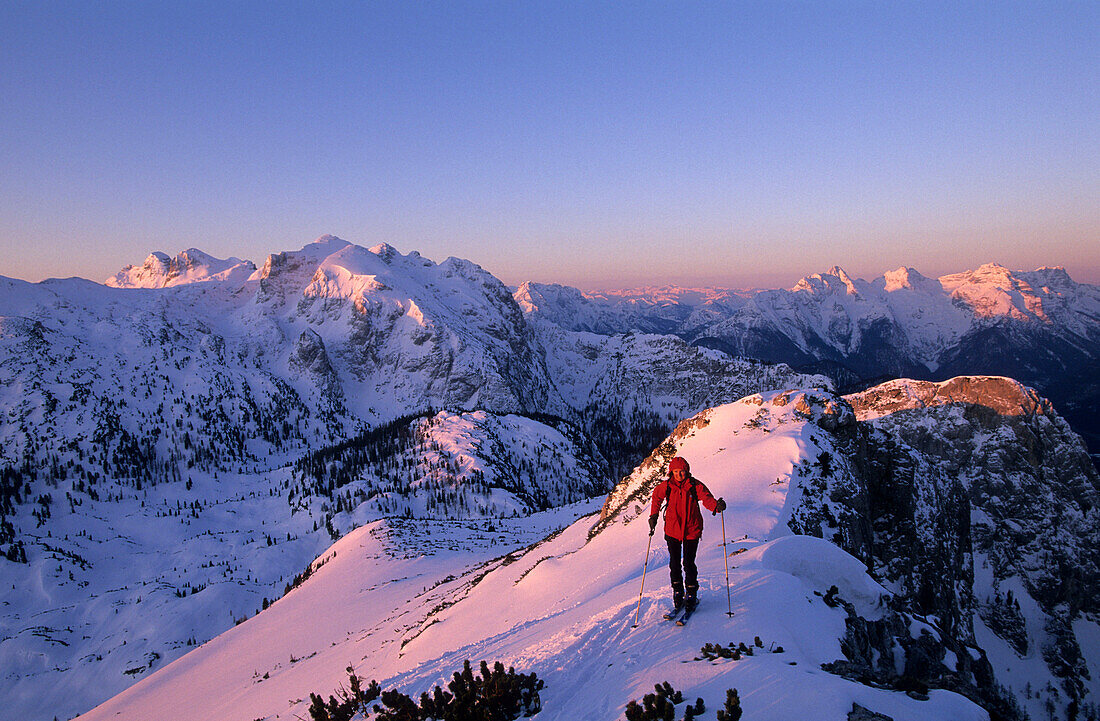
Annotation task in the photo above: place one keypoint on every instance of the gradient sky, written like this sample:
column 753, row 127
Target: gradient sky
column 596, row 144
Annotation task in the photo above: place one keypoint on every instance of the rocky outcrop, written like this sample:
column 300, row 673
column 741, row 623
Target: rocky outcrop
column 906, row 653
column 1024, row 495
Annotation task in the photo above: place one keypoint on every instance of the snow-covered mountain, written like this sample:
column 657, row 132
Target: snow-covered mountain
column 189, row 266
column 1039, row 327
column 850, row 557
column 198, row 394
column 311, row 344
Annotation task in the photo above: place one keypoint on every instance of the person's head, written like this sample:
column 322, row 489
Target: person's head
column 678, row 469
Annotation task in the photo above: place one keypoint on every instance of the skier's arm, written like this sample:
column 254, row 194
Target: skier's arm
column 658, row 498
column 708, row 499
column 655, row 508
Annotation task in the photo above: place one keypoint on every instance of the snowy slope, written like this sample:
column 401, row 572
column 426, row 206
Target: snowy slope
column 565, row 607
column 118, row 586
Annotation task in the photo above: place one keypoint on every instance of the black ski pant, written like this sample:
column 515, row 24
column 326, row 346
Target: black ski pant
column 687, row 549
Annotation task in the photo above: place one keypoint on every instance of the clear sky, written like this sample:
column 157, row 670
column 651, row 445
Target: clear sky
column 594, row 144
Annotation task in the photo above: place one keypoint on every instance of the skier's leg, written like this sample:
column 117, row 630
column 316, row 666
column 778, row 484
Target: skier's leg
column 675, row 572
column 691, row 547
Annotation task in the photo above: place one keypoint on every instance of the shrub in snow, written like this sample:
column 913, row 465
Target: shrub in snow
column 1004, row 618
column 657, row 706
column 732, row 709
column 692, row 711
column 495, row 695
column 350, row 702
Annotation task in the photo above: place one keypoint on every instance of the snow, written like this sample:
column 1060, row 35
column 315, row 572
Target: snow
column 1087, row 631
column 1026, row 675
column 819, row 565
column 565, row 609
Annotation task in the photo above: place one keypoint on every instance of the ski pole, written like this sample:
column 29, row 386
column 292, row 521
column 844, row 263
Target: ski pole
column 644, row 567
column 726, row 558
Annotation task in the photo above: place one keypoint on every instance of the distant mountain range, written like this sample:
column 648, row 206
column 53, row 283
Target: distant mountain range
column 1039, row 327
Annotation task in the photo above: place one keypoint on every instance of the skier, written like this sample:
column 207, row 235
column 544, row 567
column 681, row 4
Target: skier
column 683, row 527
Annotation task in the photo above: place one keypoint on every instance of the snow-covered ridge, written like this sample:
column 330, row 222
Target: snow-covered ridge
column 833, row 305
column 473, row 465
column 188, row 266
column 993, row 290
column 565, row 608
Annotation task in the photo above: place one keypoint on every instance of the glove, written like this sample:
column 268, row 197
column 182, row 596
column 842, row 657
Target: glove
column 719, row 506
column 652, row 524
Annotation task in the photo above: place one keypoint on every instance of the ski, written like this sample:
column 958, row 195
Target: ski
column 687, row 614
column 673, row 614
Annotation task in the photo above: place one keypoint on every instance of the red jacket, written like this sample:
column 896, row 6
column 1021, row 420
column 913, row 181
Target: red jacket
column 683, row 521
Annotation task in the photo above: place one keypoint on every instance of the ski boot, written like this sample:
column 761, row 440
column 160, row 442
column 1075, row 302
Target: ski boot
column 692, row 599
column 677, row 596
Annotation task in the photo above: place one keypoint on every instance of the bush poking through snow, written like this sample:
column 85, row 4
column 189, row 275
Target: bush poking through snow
column 352, row 701
column 692, row 711
column 658, row 706
column 732, row 710
column 661, row 706
column 715, row 651
column 495, row 695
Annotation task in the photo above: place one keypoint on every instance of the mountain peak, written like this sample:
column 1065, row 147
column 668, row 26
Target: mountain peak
column 1052, row 278
column 331, row 240
column 323, row 247
column 830, row 281
column 189, row 266
column 385, row 251
column 905, row 278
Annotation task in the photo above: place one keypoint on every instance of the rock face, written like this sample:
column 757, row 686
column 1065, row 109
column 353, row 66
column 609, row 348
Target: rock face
column 1032, row 493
